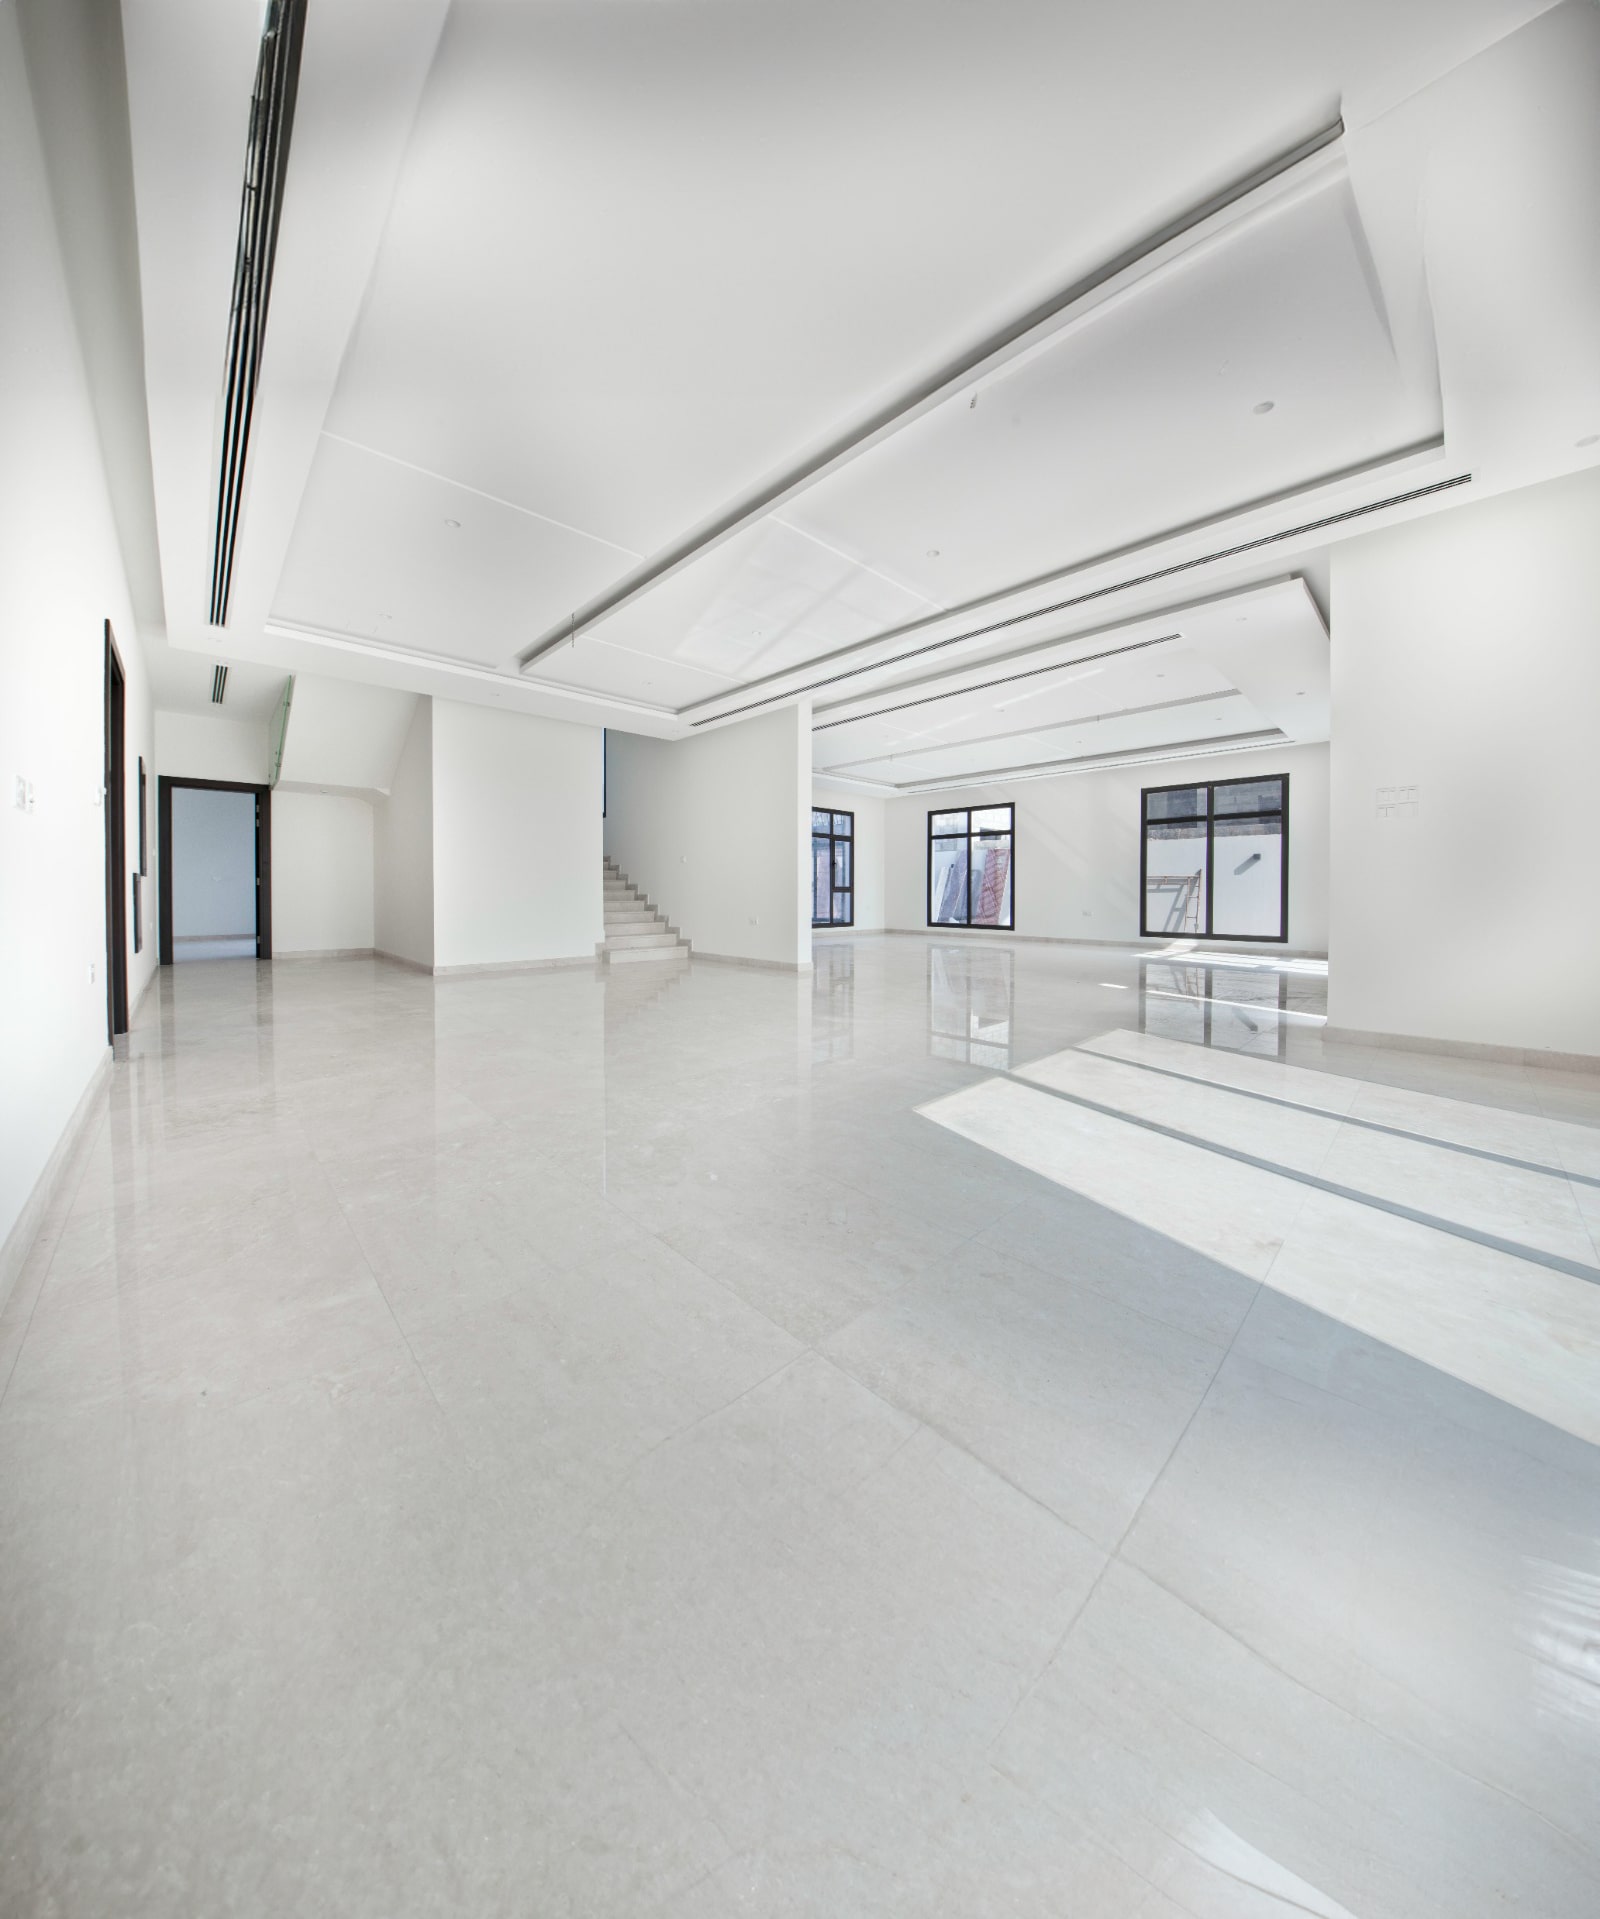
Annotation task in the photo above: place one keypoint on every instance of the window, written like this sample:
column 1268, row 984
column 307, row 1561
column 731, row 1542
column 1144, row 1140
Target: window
column 1214, row 860
column 969, row 867
column 833, row 869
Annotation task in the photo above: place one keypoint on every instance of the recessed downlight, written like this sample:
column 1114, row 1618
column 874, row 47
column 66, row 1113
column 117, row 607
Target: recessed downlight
column 1263, row 406
column 1589, row 439
column 455, row 525
column 933, row 552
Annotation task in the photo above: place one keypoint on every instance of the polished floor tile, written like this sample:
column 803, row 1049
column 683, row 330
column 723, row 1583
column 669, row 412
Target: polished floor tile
column 725, row 1444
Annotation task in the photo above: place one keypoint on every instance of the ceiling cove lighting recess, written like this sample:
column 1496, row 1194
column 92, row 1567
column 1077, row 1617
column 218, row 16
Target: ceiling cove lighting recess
column 219, row 684
column 1249, row 195
column 1094, row 762
column 1100, row 593
column 265, row 167
column 1006, row 679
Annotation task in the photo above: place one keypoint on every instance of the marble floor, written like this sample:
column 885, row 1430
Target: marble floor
column 978, row 1431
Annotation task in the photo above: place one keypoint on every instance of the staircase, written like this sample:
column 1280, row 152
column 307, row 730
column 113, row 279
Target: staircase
column 634, row 929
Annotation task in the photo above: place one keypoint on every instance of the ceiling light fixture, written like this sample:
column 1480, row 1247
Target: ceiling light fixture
column 1263, row 406
column 1589, row 439
column 456, row 524
column 933, row 552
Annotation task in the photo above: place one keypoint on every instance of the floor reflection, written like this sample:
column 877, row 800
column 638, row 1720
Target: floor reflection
column 833, row 1002
column 1237, row 1006
column 971, row 1003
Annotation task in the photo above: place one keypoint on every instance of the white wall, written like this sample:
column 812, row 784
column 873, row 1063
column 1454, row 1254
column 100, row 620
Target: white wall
column 1076, row 873
column 716, row 831
column 1466, row 663
column 61, row 577
column 402, row 849
column 517, row 838
column 869, row 836
column 322, row 873
column 211, row 746
column 343, row 733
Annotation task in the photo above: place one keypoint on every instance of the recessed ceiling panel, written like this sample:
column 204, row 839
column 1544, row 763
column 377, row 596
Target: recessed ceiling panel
column 599, row 667
column 1254, row 364
column 1251, row 367
column 387, row 553
column 1241, row 663
column 769, row 598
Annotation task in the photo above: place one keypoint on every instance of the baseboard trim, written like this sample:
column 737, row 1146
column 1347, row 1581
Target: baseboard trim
column 1465, row 1049
column 755, row 965
column 491, row 968
column 401, row 959
column 19, row 1241
column 1141, row 945
column 332, row 953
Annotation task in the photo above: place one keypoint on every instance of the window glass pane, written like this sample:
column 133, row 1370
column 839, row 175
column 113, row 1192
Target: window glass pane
column 1250, row 796
column 841, row 863
column 1247, row 885
column 843, row 825
column 1175, row 877
column 819, row 822
column 991, row 882
column 991, row 819
column 947, row 893
column 1176, row 803
column 843, row 909
column 819, row 880
column 947, row 822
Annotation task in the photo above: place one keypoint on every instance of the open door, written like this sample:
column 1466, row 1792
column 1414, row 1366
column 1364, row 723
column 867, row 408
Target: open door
column 116, row 844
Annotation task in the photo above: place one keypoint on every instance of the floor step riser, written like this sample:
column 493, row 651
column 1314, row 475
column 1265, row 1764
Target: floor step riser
column 653, row 955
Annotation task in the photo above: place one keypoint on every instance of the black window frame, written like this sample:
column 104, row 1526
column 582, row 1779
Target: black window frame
column 1209, row 818
column 944, row 812
column 834, row 839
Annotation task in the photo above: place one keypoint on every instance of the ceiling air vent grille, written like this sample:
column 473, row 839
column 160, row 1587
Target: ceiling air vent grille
column 266, row 163
column 219, row 684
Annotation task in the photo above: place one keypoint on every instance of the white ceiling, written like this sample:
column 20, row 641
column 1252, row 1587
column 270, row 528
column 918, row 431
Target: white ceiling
column 1247, row 667
column 585, row 278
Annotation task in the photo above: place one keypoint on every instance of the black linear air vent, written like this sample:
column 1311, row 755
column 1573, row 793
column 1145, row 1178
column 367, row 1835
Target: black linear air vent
column 219, row 684
column 1084, row 599
column 266, row 163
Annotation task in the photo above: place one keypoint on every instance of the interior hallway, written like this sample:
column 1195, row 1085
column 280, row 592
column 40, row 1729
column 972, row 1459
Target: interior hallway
column 721, row 1443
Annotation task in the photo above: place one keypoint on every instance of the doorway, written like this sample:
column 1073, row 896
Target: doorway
column 115, row 807
column 216, row 870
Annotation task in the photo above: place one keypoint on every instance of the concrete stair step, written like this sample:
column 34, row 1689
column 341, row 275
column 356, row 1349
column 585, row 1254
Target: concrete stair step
column 675, row 952
column 636, row 923
column 664, row 937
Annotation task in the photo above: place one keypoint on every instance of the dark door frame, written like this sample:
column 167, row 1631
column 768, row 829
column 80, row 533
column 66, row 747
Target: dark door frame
column 115, row 804
column 165, row 782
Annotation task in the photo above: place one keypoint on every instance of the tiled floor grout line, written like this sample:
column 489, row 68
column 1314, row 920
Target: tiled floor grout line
column 1514, row 1249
